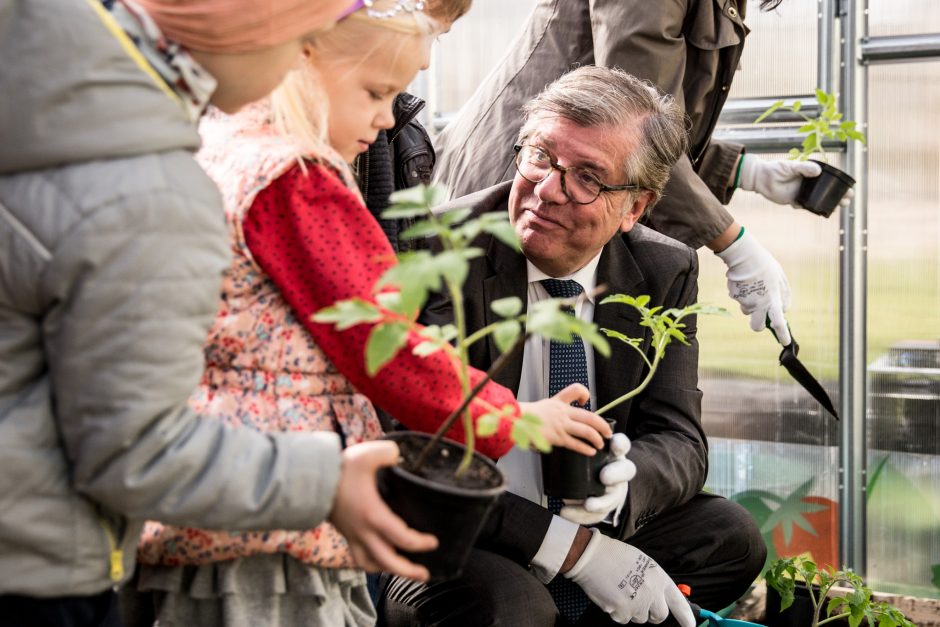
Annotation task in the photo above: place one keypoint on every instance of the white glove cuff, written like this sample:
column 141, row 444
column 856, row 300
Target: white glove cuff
column 742, row 249
column 586, row 557
column 750, row 165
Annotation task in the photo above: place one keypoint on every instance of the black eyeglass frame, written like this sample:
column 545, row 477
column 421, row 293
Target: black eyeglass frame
column 517, row 149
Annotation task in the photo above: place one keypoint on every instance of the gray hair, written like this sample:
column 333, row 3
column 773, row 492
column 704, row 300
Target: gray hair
column 596, row 96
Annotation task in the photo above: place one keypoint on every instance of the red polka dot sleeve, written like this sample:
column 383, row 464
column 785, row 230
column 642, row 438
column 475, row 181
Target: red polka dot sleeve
column 319, row 244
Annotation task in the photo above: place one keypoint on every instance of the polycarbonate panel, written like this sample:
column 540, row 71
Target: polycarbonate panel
column 475, row 44
column 904, row 327
column 903, row 17
column 780, row 52
column 773, row 447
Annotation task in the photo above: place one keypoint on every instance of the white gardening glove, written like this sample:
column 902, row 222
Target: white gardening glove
column 615, row 475
column 757, row 282
column 627, row 584
column 777, row 181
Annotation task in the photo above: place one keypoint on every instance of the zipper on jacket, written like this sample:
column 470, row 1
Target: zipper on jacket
column 115, row 553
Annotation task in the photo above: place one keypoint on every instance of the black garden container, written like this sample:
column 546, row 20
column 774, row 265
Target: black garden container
column 570, row 475
column 821, row 194
column 437, row 502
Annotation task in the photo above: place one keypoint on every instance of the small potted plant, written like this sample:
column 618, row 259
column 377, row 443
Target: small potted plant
column 439, row 485
column 799, row 594
column 570, row 475
column 820, row 194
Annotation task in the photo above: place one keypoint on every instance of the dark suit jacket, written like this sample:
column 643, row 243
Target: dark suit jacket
column 663, row 423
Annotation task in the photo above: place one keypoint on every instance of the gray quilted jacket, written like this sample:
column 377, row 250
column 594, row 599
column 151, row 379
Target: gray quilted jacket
column 112, row 243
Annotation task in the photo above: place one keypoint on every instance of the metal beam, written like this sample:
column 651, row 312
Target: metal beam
column 900, row 48
column 853, row 303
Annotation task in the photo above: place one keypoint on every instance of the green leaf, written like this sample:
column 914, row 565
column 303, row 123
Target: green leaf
column 438, row 333
column 434, row 195
column 504, row 232
column 426, row 348
column 873, row 479
column 796, row 106
column 617, row 335
column 487, row 424
column 348, row 313
column 415, row 276
column 390, row 301
column 505, row 334
column 507, row 307
column 383, row 344
column 420, row 230
column 452, row 265
column 591, row 334
column 935, row 569
column 678, row 335
column 857, row 136
column 526, row 432
column 454, row 216
column 547, row 320
column 770, row 111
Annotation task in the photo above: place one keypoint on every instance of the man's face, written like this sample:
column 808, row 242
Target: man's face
column 558, row 235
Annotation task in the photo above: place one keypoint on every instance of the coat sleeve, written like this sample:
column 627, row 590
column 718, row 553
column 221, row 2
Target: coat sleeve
column 668, row 443
column 133, row 289
column 319, row 244
column 647, row 40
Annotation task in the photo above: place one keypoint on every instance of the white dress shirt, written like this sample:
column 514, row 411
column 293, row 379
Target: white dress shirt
column 523, row 468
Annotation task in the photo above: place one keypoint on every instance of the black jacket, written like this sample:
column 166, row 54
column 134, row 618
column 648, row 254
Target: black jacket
column 400, row 158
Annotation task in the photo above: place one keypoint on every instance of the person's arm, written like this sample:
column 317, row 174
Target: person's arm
column 319, row 244
column 131, row 293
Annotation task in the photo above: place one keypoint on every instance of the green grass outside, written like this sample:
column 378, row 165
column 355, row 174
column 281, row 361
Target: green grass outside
column 903, row 304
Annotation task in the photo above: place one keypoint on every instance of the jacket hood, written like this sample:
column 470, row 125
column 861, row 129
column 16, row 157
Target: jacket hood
column 72, row 92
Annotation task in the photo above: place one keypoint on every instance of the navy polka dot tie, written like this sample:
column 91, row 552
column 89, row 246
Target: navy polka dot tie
column 567, row 364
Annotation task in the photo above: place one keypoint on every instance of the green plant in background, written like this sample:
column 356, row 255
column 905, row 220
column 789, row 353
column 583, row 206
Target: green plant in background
column 828, row 124
column 853, row 604
column 404, row 289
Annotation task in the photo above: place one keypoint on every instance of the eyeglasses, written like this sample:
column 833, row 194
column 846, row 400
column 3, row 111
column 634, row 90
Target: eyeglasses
column 535, row 164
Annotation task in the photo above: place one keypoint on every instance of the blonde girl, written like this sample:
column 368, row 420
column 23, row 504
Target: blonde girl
column 302, row 239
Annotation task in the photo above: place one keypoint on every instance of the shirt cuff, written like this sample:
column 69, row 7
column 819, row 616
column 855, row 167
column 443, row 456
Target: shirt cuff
column 554, row 549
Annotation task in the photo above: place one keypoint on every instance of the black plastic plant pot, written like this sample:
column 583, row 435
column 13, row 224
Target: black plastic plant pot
column 821, row 194
column 438, row 502
column 800, row 614
column 570, row 475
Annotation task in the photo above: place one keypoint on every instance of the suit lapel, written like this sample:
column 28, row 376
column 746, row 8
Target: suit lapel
column 509, row 279
column 619, row 272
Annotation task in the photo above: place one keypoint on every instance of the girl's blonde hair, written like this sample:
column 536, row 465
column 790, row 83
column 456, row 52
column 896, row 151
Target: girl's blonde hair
column 299, row 105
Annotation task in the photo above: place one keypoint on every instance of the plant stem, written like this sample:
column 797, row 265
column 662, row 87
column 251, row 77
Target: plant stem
column 832, row 618
column 460, row 321
column 638, row 389
column 497, row 366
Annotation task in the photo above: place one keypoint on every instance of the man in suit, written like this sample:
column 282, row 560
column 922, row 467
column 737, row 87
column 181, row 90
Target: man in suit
column 593, row 155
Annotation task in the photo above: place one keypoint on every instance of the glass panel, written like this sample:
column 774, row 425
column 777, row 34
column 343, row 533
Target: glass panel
column 904, row 328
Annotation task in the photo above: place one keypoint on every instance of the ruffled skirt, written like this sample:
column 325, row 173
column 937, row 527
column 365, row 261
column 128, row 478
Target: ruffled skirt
column 271, row 590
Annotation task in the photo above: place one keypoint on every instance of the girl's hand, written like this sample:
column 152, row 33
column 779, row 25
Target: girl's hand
column 567, row 426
